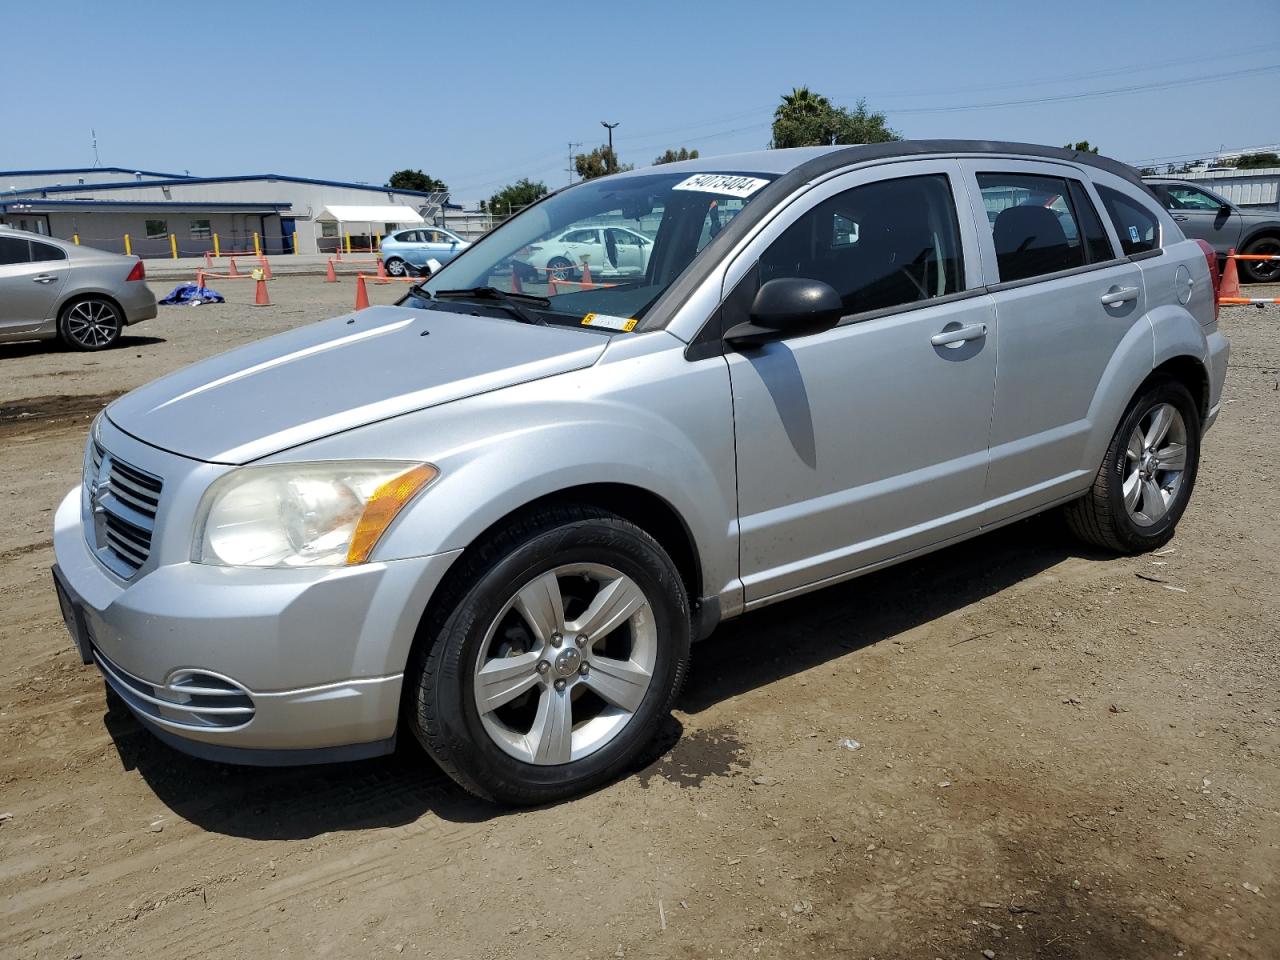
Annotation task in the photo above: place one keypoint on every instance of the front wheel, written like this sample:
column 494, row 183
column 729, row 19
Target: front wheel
column 395, row 267
column 1146, row 477
column 558, row 648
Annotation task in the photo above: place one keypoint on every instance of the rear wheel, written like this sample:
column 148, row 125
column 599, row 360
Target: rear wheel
column 556, row 652
column 1147, row 475
column 395, row 267
column 1262, row 271
column 90, row 324
column 561, row 268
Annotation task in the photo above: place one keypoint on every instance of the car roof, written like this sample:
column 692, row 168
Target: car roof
column 817, row 160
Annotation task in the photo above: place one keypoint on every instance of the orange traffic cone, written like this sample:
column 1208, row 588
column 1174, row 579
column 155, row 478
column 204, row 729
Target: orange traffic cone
column 362, row 295
column 382, row 270
column 329, row 275
column 266, row 268
column 1230, row 285
column 199, row 278
column 260, row 297
column 233, row 272
column 208, row 260
column 339, row 256
column 515, row 280
column 586, row 276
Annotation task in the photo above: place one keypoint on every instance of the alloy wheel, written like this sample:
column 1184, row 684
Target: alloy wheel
column 92, row 324
column 566, row 664
column 1155, row 461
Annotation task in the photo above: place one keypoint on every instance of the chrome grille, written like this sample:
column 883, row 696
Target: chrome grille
column 123, row 501
column 191, row 698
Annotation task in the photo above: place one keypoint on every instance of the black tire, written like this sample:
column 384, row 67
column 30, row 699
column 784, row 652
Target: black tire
column 1261, row 271
column 395, row 267
column 90, row 323
column 440, row 701
column 1100, row 517
column 561, row 268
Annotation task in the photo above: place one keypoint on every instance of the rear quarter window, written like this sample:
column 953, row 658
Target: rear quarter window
column 1138, row 228
column 41, row 252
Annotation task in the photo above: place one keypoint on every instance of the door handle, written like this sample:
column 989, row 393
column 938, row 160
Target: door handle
column 1181, row 218
column 44, row 278
column 953, row 338
column 1119, row 295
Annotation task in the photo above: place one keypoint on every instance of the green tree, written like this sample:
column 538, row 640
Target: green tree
column 1253, row 161
column 600, row 162
column 1081, row 146
column 416, row 180
column 516, row 195
column 808, row 119
column 671, row 156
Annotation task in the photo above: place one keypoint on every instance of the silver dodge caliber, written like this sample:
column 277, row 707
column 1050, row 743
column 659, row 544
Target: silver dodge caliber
column 497, row 514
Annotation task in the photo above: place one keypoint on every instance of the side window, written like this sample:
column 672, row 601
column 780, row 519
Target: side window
column 199, row 230
column 580, row 236
column 1189, row 198
column 14, row 250
column 1097, row 247
column 1033, row 224
column 407, row 236
column 879, row 245
column 624, row 238
column 157, row 229
column 44, row 252
column 1137, row 226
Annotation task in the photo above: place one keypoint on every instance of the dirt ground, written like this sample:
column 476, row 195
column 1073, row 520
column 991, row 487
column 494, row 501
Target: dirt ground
column 1060, row 754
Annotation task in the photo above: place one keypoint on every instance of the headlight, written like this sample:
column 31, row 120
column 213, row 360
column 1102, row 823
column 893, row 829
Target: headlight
column 304, row 514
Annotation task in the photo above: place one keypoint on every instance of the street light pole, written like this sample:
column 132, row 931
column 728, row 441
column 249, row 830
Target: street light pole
column 609, row 127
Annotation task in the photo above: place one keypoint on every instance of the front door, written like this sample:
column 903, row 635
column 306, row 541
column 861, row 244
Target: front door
column 1064, row 302
column 867, row 441
column 1203, row 216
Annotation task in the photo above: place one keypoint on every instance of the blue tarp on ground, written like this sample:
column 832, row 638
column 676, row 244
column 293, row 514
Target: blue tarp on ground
column 189, row 295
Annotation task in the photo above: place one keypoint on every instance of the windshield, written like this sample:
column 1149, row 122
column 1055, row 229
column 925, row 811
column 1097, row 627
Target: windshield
column 600, row 253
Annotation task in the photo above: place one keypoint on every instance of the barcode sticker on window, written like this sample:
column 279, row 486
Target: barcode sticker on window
column 725, row 184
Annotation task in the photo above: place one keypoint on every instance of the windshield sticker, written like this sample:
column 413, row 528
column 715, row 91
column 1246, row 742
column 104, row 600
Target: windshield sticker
column 1133, row 234
column 606, row 322
column 725, row 184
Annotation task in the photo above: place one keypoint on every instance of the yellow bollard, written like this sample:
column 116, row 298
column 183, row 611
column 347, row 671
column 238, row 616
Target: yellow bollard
column 173, row 245
column 377, row 242
column 348, row 243
column 295, row 241
column 75, row 238
column 257, row 245
column 128, row 247
column 217, row 250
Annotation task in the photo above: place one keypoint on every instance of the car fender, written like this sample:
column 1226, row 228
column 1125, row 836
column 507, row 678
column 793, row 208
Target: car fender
column 1130, row 364
column 500, row 451
column 1176, row 334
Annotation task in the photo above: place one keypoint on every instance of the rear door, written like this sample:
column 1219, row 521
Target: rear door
column 32, row 275
column 1065, row 299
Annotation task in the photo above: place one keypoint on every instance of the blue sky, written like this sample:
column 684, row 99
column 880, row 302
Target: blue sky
column 480, row 94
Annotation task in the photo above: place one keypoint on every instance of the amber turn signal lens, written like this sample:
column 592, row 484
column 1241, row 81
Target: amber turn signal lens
column 383, row 507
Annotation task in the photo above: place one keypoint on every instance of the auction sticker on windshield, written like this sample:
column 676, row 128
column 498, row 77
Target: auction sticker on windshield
column 606, row 322
column 725, row 184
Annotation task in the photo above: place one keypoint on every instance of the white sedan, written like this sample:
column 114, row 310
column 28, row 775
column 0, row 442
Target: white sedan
column 610, row 252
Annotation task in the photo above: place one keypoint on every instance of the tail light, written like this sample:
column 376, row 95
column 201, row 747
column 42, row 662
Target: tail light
column 138, row 272
column 1211, row 257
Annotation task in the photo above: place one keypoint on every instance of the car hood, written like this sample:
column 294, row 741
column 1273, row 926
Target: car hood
column 342, row 373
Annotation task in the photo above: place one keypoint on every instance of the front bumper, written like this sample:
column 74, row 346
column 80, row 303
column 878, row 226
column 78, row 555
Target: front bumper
column 250, row 666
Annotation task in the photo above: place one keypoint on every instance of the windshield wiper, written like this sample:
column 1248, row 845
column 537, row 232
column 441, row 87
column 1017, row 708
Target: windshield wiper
column 508, row 301
column 415, row 290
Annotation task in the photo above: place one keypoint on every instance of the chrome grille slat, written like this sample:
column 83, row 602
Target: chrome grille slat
column 123, row 502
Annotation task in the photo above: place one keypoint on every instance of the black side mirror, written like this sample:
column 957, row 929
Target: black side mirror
column 1225, row 210
column 788, row 307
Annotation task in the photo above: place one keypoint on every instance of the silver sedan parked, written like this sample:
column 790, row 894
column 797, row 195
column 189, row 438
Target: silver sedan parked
column 51, row 288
